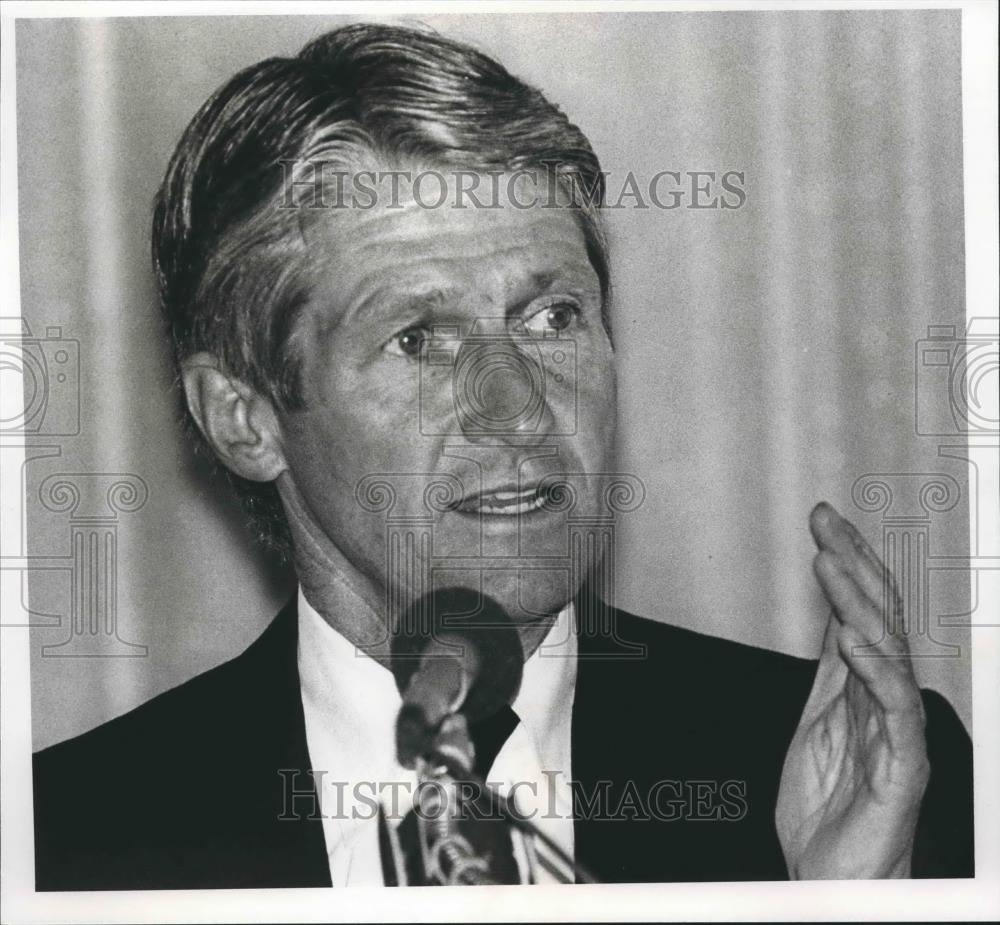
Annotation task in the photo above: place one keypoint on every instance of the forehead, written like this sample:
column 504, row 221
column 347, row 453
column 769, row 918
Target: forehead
column 517, row 235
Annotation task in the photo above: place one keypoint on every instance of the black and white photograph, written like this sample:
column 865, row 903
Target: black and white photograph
column 501, row 445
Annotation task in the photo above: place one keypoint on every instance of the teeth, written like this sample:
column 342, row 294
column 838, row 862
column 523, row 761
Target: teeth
column 531, row 504
column 507, row 503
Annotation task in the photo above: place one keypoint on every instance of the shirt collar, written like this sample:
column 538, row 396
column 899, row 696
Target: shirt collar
column 357, row 701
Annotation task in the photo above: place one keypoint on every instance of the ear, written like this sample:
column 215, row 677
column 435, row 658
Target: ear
column 239, row 424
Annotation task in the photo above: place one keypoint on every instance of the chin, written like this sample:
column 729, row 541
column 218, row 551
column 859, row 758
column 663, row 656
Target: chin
column 528, row 595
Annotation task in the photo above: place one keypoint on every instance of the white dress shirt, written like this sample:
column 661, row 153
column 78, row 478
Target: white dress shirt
column 351, row 702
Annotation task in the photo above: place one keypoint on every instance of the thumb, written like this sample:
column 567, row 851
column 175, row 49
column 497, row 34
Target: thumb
column 831, row 673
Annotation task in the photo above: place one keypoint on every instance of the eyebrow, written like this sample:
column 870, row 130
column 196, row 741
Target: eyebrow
column 540, row 282
column 543, row 279
column 435, row 298
column 422, row 301
column 401, row 302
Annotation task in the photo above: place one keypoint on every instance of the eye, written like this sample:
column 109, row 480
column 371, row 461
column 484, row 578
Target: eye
column 555, row 316
column 409, row 342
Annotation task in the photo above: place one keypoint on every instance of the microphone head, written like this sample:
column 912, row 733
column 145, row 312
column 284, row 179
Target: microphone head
column 482, row 635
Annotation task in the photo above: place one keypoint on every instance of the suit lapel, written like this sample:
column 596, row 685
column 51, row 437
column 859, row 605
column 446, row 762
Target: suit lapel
column 276, row 787
column 603, row 753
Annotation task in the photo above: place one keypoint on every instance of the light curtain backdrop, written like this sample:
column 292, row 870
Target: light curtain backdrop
column 766, row 355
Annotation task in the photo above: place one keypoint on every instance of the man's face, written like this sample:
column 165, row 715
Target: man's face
column 454, row 366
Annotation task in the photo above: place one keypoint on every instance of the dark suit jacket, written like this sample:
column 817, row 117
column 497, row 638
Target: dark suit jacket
column 676, row 754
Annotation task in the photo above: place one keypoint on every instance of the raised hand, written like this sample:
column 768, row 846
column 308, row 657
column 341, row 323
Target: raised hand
column 856, row 770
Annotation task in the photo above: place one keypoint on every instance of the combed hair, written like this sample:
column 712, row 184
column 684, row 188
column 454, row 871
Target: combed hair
column 228, row 257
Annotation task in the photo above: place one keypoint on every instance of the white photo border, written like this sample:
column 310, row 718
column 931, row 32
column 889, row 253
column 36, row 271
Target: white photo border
column 977, row 899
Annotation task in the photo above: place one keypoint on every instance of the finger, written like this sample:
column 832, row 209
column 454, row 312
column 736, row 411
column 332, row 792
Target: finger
column 835, row 534
column 859, row 560
column 889, row 600
column 890, row 685
column 830, row 661
column 831, row 671
column 830, row 636
column 888, row 681
column 855, row 609
column 838, row 535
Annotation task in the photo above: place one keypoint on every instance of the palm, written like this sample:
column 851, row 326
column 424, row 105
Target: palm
column 855, row 772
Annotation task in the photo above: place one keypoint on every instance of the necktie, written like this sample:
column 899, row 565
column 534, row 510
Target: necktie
column 488, row 737
column 490, row 835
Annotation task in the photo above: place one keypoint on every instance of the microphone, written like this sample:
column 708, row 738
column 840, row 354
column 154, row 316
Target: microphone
column 454, row 651
column 456, row 657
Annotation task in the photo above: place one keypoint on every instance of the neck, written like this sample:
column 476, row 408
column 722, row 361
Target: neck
column 351, row 603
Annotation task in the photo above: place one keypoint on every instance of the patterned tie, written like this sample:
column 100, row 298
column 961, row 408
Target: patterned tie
column 490, row 836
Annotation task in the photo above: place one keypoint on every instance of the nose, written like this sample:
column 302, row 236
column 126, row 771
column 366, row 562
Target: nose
column 499, row 390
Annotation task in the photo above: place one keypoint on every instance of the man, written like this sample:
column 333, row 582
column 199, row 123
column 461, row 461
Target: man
column 360, row 353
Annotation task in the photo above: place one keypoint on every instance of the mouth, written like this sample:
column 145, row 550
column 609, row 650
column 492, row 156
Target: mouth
column 505, row 501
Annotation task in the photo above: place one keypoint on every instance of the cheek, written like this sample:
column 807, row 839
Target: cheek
column 597, row 386
column 374, row 409
column 368, row 430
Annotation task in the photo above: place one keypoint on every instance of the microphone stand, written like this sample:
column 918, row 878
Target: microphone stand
column 448, row 857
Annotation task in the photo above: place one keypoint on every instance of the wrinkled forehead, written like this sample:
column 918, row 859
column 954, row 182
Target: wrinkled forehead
column 454, row 223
